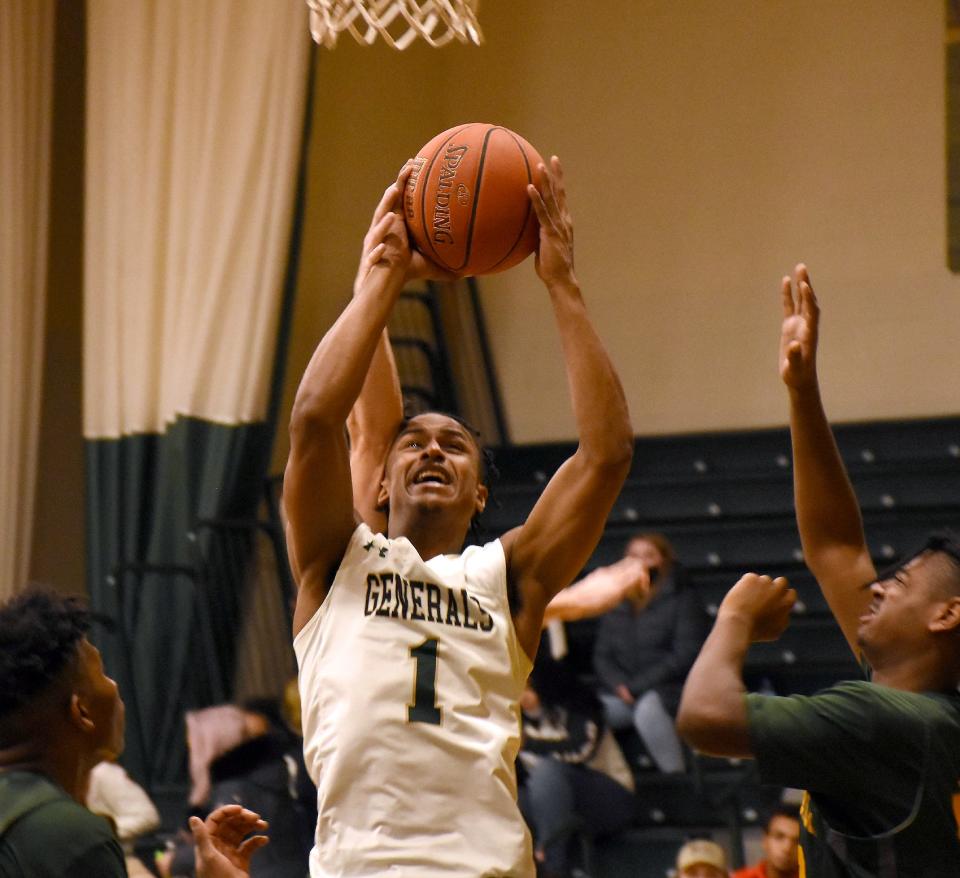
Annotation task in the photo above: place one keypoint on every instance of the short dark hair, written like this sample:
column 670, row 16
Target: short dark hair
column 486, row 456
column 791, row 812
column 945, row 543
column 40, row 631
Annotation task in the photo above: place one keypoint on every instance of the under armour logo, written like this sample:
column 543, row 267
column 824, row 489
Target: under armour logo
column 382, row 550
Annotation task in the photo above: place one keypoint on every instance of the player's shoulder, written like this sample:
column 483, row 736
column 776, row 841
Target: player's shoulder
column 942, row 708
column 365, row 542
column 60, row 825
column 62, row 818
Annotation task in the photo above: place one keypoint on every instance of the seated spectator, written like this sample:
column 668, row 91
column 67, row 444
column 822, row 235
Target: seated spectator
column 702, row 858
column 781, row 840
column 573, row 775
column 645, row 646
column 113, row 794
column 59, row 716
column 248, row 754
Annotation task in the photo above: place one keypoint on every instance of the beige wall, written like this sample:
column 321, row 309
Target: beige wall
column 708, row 147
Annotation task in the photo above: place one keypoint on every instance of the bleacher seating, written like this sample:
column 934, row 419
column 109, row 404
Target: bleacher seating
column 725, row 500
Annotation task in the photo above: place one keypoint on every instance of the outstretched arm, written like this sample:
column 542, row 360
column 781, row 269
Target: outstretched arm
column 713, row 713
column 551, row 547
column 318, row 493
column 375, row 418
column 828, row 515
column 600, row 591
column 372, row 425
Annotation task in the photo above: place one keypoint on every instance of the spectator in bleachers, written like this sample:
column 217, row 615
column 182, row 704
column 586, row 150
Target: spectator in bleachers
column 113, row 794
column 781, row 839
column 247, row 754
column 702, row 858
column 572, row 773
column 879, row 757
column 644, row 648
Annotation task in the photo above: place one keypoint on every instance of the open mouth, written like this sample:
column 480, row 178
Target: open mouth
column 431, row 477
column 872, row 611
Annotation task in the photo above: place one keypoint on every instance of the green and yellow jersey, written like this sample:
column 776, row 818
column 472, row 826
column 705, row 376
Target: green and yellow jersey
column 880, row 767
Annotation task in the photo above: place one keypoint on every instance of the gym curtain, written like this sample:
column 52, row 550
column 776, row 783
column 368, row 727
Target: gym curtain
column 195, row 122
column 26, row 104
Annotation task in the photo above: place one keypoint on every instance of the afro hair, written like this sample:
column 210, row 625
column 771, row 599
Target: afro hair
column 40, row 632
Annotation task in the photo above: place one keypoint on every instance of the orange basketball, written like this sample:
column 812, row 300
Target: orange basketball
column 466, row 201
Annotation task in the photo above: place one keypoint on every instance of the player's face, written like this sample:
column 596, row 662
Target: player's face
column 101, row 701
column 780, row 844
column 902, row 607
column 434, row 463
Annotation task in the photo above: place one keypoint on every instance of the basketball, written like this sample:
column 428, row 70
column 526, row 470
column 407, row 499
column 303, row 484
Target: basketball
column 466, row 202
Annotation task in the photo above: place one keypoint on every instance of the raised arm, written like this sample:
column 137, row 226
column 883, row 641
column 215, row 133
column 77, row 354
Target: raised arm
column 318, row 493
column 551, row 547
column 600, row 591
column 828, row 515
column 378, row 412
column 372, row 425
column 713, row 712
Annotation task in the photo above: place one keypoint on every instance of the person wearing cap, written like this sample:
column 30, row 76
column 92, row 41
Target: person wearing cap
column 880, row 757
column 701, row 858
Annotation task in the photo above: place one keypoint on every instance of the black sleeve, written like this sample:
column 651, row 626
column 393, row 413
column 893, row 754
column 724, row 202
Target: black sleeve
column 688, row 636
column 605, row 664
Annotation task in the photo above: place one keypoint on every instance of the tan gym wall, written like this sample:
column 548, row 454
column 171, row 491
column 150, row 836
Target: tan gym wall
column 708, row 147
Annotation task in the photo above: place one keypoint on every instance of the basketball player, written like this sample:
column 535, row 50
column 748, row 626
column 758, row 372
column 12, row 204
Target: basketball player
column 413, row 653
column 60, row 715
column 879, row 759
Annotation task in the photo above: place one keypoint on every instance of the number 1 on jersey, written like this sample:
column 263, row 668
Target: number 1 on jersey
column 424, row 708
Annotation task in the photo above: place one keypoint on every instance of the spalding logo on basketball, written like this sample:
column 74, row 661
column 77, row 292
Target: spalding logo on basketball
column 466, row 202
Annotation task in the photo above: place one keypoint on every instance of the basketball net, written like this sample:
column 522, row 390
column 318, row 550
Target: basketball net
column 397, row 22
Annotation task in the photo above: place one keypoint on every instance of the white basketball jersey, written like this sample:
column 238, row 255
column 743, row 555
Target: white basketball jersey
column 410, row 674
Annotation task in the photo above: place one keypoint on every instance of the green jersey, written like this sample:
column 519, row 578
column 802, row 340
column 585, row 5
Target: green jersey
column 880, row 767
column 46, row 834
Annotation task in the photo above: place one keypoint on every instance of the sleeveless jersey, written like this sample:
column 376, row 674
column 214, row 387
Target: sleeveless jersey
column 410, row 676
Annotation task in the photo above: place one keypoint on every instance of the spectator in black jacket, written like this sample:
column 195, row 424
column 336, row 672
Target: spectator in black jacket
column 645, row 646
column 572, row 773
column 247, row 754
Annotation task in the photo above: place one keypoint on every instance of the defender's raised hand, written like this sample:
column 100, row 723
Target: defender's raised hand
column 798, row 335
column 764, row 602
column 554, row 260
